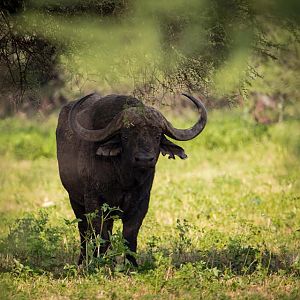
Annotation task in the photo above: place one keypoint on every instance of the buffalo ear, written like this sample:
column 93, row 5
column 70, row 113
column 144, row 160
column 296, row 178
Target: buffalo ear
column 110, row 148
column 167, row 147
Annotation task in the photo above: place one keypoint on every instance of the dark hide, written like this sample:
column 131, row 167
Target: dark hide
column 118, row 171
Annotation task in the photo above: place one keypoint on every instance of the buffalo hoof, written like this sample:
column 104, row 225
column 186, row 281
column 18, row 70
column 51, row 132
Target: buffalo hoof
column 80, row 259
column 132, row 260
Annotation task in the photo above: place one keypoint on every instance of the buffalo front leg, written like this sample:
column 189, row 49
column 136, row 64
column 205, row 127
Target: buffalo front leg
column 131, row 227
column 130, row 233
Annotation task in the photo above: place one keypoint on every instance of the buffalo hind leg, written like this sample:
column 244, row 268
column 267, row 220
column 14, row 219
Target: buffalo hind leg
column 106, row 232
column 79, row 211
column 93, row 205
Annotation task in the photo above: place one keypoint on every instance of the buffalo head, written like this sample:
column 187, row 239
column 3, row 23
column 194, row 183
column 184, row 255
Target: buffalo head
column 138, row 134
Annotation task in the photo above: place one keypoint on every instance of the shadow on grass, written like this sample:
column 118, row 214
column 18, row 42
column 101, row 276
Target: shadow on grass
column 34, row 245
column 237, row 260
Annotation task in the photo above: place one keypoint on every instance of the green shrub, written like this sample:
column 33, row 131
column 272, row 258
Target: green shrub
column 232, row 133
column 34, row 242
column 26, row 139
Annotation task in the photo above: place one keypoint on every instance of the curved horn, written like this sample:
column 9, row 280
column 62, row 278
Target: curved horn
column 188, row 134
column 92, row 135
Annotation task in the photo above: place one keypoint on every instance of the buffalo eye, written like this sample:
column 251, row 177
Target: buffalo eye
column 157, row 137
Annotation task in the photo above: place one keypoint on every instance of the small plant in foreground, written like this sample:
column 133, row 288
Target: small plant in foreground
column 184, row 242
column 113, row 258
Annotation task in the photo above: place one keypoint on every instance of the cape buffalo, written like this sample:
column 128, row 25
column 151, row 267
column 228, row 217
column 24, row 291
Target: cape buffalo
column 107, row 149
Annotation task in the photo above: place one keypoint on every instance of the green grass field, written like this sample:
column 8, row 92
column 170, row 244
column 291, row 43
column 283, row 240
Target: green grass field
column 223, row 224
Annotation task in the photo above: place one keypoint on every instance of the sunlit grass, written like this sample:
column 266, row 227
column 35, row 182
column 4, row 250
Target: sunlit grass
column 238, row 192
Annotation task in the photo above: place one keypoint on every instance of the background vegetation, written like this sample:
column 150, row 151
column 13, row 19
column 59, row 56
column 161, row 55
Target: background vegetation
column 224, row 223
column 54, row 50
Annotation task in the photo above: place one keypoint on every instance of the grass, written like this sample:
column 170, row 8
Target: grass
column 224, row 223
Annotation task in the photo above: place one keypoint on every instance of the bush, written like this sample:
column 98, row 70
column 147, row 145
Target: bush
column 230, row 132
column 26, row 139
column 34, row 242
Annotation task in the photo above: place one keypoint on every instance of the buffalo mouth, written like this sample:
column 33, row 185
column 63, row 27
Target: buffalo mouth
column 143, row 165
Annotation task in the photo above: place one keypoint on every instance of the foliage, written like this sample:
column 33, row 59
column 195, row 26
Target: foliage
column 279, row 78
column 28, row 63
column 38, row 245
column 146, row 48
